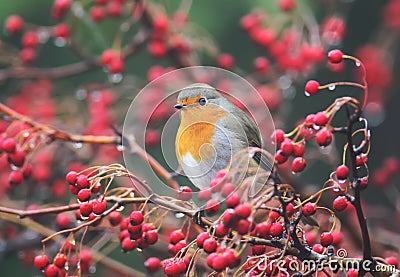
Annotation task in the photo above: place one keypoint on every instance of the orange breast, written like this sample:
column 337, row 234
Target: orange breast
column 196, row 131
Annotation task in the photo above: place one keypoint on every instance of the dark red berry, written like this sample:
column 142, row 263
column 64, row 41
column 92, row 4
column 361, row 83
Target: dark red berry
column 243, row 211
column 342, row 172
column 176, row 236
column 71, row 177
column 326, row 239
column 84, row 195
column 298, row 164
column 15, row 178
column 136, row 218
column 41, row 261
column 309, row 209
column 324, row 137
column 340, row 203
column 210, row 245
column 14, row 24
column 278, row 136
column 115, row 218
column 201, row 238
column 276, row 229
column 321, row 119
column 99, row 206
column 152, row 264
column 185, row 193
column 335, row 56
column 9, row 145
column 312, row 87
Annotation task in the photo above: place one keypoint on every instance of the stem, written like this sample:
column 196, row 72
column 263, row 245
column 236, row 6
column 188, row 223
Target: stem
column 357, row 195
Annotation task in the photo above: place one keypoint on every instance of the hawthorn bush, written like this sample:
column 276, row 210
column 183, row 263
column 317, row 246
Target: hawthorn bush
column 69, row 206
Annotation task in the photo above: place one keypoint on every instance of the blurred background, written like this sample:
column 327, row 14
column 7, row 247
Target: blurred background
column 61, row 76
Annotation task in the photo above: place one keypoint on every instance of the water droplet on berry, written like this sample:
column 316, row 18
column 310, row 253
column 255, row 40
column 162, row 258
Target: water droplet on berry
column 115, row 78
column 25, row 134
column 132, row 195
column 13, row 167
column 125, row 27
column 120, row 147
column 306, row 93
column 60, row 42
column 284, row 82
column 357, row 63
column 335, row 188
column 332, row 87
column 92, row 269
column 77, row 145
column 81, row 94
column 179, row 215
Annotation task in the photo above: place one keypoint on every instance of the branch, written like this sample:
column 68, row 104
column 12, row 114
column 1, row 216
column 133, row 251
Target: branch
column 56, row 134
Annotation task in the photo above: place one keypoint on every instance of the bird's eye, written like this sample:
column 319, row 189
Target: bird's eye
column 202, row 101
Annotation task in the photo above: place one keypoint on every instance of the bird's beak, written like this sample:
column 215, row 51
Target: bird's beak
column 179, row 106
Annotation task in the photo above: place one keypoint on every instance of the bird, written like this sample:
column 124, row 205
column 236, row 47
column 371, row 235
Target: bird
column 211, row 131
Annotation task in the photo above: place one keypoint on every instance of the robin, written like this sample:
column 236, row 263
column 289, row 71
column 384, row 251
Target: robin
column 211, row 131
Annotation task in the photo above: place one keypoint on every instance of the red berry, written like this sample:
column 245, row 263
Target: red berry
column 361, row 160
column 273, row 215
column 136, row 218
column 287, row 147
column 97, row 13
column 9, row 145
column 263, row 37
column 232, row 200
column 280, row 158
column 27, row 55
column 210, row 245
column 160, row 23
column 171, row 268
column 15, row 178
column 63, row 221
column 115, row 218
column 312, row 87
column 286, row 5
column 201, row 238
column 116, row 65
column 84, row 195
column 278, row 136
column 74, row 190
column 221, row 230
column 14, row 24
column 243, row 226
column 298, row 149
column 212, row 207
column 157, row 48
column 151, row 237
column 61, row 31
column 352, row 273
column 263, row 228
column 298, row 164
column 30, row 40
column 229, row 218
column 71, row 177
column 258, row 249
column 243, row 211
column 185, row 193
column 321, row 119
column 340, row 203
column 392, row 261
column 261, row 65
column 290, row 209
column 82, row 182
column 128, row 245
column 17, row 158
column 41, row 261
column 326, row 239
column 114, row 8
column 318, row 248
column 324, row 137
column 337, row 238
column 99, row 206
column 152, row 264
column 219, row 263
column 335, row 56
column 86, row 209
column 342, row 172
column 51, row 271
column 176, row 236
column 227, row 189
column 276, row 229
column 204, row 194
column 309, row 209
column 60, row 260
column 225, row 61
